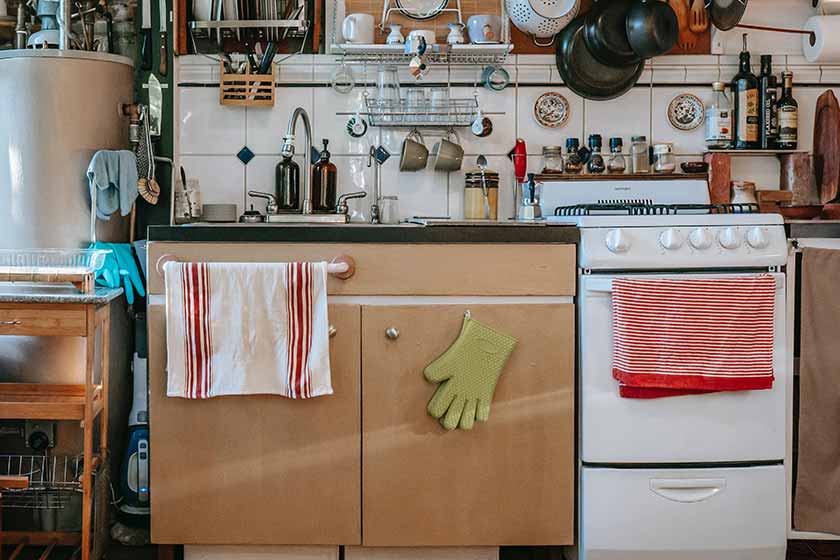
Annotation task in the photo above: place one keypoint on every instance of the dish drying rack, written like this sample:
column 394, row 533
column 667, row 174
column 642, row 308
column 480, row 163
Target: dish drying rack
column 395, row 113
column 460, row 55
column 42, row 481
column 74, row 266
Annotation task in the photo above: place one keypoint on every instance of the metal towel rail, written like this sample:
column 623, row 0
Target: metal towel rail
column 341, row 267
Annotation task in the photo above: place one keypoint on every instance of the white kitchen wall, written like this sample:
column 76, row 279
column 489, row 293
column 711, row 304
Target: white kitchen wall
column 210, row 135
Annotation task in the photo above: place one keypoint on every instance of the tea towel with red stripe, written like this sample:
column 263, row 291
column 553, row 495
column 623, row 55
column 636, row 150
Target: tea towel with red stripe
column 247, row 329
column 675, row 337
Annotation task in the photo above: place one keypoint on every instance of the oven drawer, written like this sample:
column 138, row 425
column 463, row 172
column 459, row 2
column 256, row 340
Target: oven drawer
column 713, row 427
column 683, row 514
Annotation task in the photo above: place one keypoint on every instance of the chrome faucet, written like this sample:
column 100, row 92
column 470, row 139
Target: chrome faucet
column 288, row 150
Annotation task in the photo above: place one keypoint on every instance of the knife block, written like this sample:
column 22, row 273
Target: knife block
column 246, row 90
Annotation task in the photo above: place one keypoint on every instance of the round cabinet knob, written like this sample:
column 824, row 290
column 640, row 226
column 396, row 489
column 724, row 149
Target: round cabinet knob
column 617, row 241
column 757, row 238
column 392, row 333
column 332, row 331
column 670, row 239
column 701, row 238
column 729, row 238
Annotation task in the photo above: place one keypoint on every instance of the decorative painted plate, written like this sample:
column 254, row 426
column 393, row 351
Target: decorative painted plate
column 551, row 110
column 686, row 111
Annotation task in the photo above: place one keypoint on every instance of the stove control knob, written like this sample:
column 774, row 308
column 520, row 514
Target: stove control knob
column 701, row 238
column 617, row 241
column 729, row 238
column 757, row 238
column 670, row 239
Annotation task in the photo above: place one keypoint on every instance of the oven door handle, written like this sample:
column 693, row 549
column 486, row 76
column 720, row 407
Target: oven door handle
column 687, row 490
column 604, row 285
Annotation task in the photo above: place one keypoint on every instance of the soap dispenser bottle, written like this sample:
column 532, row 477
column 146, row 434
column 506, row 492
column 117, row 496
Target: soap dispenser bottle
column 324, row 182
column 287, row 185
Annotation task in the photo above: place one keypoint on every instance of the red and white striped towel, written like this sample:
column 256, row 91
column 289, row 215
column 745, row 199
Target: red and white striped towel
column 677, row 337
column 247, row 329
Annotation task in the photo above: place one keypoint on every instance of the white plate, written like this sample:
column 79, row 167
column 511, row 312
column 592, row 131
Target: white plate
column 421, row 9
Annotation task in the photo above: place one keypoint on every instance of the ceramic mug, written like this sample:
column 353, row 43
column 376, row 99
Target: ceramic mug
column 447, row 155
column 484, row 28
column 427, row 34
column 358, row 28
column 414, row 153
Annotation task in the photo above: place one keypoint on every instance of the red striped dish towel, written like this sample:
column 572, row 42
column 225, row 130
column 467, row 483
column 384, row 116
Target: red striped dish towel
column 676, row 337
column 247, row 329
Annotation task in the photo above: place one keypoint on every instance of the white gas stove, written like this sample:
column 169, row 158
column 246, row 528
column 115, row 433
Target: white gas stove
column 695, row 476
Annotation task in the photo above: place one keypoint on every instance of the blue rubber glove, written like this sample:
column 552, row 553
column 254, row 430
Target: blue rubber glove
column 121, row 269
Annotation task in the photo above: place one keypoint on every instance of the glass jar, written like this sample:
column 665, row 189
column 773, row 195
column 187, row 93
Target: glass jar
column 552, row 159
column 663, row 155
column 639, row 159
column 474, row 208
column 596, row 160
column 616, row 163
column 718, row 119
column 389, row 210
column 572, row 165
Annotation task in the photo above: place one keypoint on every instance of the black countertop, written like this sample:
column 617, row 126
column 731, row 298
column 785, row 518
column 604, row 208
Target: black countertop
column 363, row 233
column 803, row 229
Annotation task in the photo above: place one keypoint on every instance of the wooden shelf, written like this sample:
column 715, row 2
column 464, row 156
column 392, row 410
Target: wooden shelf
column 42, row 401
column 767, row 152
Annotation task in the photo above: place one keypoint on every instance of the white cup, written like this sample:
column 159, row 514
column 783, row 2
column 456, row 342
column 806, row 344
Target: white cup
column 358, row 28
column 427, row 34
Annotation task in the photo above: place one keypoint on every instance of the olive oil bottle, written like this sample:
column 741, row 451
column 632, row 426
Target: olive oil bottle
column 788, row 115
column 745, row 104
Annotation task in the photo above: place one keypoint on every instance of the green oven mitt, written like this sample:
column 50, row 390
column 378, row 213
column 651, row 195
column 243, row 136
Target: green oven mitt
column 467, row 373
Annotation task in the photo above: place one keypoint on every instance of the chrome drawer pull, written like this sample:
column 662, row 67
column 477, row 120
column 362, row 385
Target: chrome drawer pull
column 392, row 333
column 10, row 323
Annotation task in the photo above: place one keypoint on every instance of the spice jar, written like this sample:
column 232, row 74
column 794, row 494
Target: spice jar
column 596, row 160
column 552, row 159
column 639, row 159
column 664, row 160
column 573, row 164
column 616, row 163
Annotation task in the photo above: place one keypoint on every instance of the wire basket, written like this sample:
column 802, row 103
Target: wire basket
column 452, row 112
column 53, row 480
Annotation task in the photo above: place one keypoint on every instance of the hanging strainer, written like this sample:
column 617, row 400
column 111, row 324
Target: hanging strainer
column 541, row 19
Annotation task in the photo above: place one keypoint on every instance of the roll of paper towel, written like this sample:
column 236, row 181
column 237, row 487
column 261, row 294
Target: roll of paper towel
column 824, row 44
column 828, row 7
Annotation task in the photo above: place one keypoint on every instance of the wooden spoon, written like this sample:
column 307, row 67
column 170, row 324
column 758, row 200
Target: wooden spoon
column 699, row 19
column 686, row 40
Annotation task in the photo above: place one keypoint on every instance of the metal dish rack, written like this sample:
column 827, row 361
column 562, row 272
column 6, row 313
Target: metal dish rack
column 52, row 480
column 396, row 113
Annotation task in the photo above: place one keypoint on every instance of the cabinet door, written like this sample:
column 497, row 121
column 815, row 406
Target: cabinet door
column 509, row 481
column 258, row 469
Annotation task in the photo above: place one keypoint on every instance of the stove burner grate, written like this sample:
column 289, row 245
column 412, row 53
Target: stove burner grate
column 649, row 209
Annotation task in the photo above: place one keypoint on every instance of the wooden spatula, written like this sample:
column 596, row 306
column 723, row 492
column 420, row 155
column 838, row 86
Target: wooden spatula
column 698, row 21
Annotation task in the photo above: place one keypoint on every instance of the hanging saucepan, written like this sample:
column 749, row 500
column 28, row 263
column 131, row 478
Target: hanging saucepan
column 726, row 14
column 584, row 74
column 652, row 28
column 605, row 35
column 541, row 19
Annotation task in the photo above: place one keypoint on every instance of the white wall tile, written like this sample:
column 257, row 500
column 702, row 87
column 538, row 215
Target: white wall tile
column 327, row 124
column 205, row 126
column 669, row 74
column 534, row 74
column 267, row 126
column 259, row 176
column 503, row 137
column 421, row 193
column 537, row 136
column 762, row 170
column 626, row 116
column 685, row 142
column 221, row 178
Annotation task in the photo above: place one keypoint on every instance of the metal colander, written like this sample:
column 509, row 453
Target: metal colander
column 542, row 19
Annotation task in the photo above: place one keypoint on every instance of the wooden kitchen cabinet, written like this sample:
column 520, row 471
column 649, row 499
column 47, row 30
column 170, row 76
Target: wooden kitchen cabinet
column 509, row 481
column 258, row 469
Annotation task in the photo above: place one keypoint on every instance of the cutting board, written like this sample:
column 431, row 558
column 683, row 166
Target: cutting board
column 827, row 146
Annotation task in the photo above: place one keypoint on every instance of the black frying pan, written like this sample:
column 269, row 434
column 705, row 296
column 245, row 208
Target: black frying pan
column 726, row 14
column 584, row 74
column 605, row 34
column 652, row 28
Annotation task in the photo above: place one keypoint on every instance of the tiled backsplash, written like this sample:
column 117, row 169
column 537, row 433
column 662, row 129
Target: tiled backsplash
column 210, row 135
